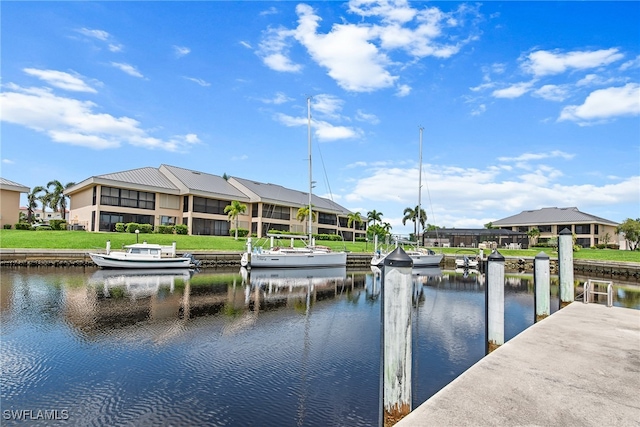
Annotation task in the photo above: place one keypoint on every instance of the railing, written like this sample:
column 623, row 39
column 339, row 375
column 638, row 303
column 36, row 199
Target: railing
column 594, row 287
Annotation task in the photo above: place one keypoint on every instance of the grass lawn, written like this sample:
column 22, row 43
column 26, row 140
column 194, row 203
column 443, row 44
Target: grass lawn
column 48, row 239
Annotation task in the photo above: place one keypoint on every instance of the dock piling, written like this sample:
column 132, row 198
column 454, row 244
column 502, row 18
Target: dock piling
column 397, row 290
column 565, row 267
column 542, row 286
column 494, row 301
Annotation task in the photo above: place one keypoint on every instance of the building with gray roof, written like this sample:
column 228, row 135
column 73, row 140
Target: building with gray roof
column 171, row 195
column 590, row 230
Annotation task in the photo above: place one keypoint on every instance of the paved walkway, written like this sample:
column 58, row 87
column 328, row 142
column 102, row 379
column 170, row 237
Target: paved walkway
column 578, row 367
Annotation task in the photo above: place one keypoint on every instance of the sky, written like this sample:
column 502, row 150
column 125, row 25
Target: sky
column 475, row 110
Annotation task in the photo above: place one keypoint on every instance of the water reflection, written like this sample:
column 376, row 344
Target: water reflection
column 231, row 347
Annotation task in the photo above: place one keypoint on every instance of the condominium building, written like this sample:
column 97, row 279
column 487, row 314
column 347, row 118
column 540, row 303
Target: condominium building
column 590, row 230
column 171, row 195
column 10, row 201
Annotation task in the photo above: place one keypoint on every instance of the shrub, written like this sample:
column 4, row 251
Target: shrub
column 131, row 227
column 58, row 224
column 7, row 227
column 146, row 228
column 120, row 227
column 23, row 226
column 165, row 229
column 182, row 229
column 44, row 228
column 242, row 232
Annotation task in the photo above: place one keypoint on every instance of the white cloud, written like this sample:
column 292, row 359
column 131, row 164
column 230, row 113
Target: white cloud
column 537, row 156
column 181, row 51
column 61, row 80
column 7, row 161
column 75, row 122
column 552, row 92
column 327, row 105
column 96, row 34
column 278, row 98
column 542, row 62
column 361, row 116
column 246, row 44
column 605, row 104
column 403, row 90
column 322, row 130
column 357, row 56
column 634, row 63
column 514, row 91
column 198, row 81
column 129, row 69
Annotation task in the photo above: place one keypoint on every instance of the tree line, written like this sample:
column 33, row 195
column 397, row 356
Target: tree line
column 50, row 196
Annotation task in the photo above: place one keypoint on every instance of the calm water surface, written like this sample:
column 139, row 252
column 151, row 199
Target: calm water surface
column 227, row 349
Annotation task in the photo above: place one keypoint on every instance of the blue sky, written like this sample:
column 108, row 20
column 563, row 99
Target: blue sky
column 523, row 105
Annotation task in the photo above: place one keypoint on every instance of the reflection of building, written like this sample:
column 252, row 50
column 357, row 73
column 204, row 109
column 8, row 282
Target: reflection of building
column 590, row 230
column 10, row 201
column 170, row 195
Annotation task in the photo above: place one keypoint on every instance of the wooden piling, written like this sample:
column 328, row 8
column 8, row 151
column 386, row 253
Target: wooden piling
column 494, row 301
column 542, row 286
column 397, row 289
column 565, row 267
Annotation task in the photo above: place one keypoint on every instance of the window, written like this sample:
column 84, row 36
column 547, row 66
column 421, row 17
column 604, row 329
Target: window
column 276, row 212
column 585, row 243
column 185, row 204
column 595, row 229
column 583, row 228
column 210, row 206
column 280, row 227
column 169, row 201
column 167, row 220
column 325, row 218
column 210, row 227
column 127, row 198
column 523, row 228
column 344, row 221
column 559, row 228
column 326, row 231
column 108, row 220
column 544, row 228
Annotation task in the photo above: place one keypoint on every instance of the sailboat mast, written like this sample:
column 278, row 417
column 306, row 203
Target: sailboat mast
column 309, row 228
column 419, row 188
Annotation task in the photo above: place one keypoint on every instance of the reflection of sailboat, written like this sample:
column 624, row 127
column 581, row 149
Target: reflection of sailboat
column 140, row 283
column 293, row 277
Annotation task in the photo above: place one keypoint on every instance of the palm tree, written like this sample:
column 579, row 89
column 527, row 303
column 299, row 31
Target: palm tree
column 412, row 215
column 374, row 217
column 233, row 210
column 32, row 202
column 355, row 219
column 58, row 200
column 303, row 214
column 533, row 234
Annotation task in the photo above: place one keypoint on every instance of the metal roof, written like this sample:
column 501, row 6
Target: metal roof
column 205, row 182
column 148, row 176
column 278, row 194
column 551, row 216
column 6, row 184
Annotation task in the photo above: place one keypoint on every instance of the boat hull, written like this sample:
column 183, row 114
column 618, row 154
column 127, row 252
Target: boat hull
column 293, row 260
column 109, row 261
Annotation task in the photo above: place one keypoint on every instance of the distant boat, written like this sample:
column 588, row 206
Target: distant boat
column 466, row 259
column 291, row 257
column 143, row 255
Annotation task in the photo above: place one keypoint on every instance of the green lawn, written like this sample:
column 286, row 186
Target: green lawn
column 47, row 239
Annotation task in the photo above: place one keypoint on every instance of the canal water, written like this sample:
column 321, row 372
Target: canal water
column 225, row 348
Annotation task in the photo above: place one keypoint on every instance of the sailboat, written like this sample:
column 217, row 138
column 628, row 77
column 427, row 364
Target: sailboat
column 311, row 255
column 421, row 257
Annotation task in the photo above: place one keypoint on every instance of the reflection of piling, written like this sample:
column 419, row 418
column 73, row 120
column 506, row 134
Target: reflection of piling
column 397, row 286
column 542, row 281
column 565, row 267
column 494, row 301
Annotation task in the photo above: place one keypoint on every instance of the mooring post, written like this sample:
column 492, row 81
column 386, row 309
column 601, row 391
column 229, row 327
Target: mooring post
column 565, row 267
column 494, row 301
column 108, row 247
column 542, row 286
column 397, row 287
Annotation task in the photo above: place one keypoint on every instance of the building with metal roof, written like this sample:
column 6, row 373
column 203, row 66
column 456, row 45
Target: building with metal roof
column 590, row 230
column 10, row 201
column 170, row 195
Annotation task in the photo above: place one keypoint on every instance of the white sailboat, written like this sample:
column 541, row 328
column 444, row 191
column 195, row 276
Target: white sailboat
column 421, row 257
column 309, row 256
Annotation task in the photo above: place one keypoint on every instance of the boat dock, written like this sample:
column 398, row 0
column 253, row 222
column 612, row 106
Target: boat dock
column 578, row 367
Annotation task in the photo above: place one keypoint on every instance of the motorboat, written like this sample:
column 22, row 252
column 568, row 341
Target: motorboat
column 143, row 255
column 421, row 257
column 468, row 259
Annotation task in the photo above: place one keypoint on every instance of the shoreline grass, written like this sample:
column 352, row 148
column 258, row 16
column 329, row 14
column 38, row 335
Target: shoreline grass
column 49, row 239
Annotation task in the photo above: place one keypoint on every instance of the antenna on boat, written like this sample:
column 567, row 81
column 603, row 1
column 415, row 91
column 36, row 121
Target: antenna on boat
column 309, row 225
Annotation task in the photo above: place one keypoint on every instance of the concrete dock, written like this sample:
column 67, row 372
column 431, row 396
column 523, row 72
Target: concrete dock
column 578, row 367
